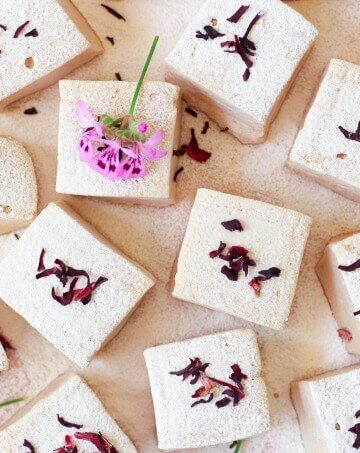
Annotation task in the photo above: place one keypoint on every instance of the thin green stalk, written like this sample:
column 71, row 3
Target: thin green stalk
column 142, row 76
column 8, row 403
column 238, row 446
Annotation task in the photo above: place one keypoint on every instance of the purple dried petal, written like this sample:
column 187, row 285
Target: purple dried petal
column 219, row 250
column 223, row 402
column 270, row 273
column 111, row 40
column 113, row 12
column 237, row 376
column 203, row 401
column 356, row 313
column 356, row 430
column 3, row 27
column 33, row 33
column 97, row 439
column 210, row 33
column 178, row 171
column 20, row 29
column 238, row 14
column 232, row 225
column 66, row 298
column 351, row 135
column 205, row 127
column 118, row 76
column 180, row 152
column 352, row 267
column 67, row 424
column 41, row 266
column 231, row 274
column 357, row 415
column 28, row 445
column 31, row 111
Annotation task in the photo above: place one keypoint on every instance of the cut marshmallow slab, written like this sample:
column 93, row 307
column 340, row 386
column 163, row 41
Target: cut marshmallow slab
column 18, row 189
column 158, row 106
column 82, row 327
column 212, row 80
column 273, row 236
column 4, row 362
column 181, row 426
column 327, row 406
column 73, row 401
column 59, row 41
column 321, row 150
column 342, row 287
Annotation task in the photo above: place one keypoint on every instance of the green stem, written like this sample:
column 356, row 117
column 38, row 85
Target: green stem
column 238, row 446
column 142, row 76
column 8, row 403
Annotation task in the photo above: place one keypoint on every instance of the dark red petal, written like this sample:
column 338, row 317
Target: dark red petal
column 191, row 112
column 67, row 424
column 231, row 274
column 41, row 265
column 238, row 14
column 20, row 29
column 219, row 250
column 28, row 445
column 270, row 273
column 97, row 439
column 203, row 401
column 223, row 402
column 193, row 150
column 205, row 127
column 352, row 267
column 113, row 12
column 232, row 225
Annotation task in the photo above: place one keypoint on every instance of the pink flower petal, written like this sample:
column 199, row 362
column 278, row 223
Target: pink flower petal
column 155, row 139
column 106, row 163
column 87, row 119
column 131, row 168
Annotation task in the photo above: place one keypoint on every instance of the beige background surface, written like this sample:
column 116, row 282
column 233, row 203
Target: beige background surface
column 309, row 344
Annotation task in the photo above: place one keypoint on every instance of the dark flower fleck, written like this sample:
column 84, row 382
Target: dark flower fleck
column 351, row 135
column 63, row 273
column 232, row 225
column 20, row 29
column 28, row 445
column 352, row 267
column 264, row 275
column 231, row 274
column 178, row 171
column 224, row 129
column 356, row 430
column 238, row 14
column 3, row 27
column 118, row 76
column 33, row 33
column 219, row 250
column 67, row 424
column 113, row 12
column 97, row 439
column 356, row 313
column 193, row 150
column 31, row 111
column 191, row 112
column 232, row 392
column 111, row 40
column 210, row 33
column 205, row 127
column 69, row 446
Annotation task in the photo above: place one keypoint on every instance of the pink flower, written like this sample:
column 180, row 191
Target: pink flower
column 92, row 135
column 87, row 119
column 149, row 147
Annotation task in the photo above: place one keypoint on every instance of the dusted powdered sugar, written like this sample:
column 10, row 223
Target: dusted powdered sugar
column 181, row 426
column 64, row 42
column 74, row 401
column 274, row 236
column 18, row 188
column 158, row 106
column 320, row 142
column 79, row 331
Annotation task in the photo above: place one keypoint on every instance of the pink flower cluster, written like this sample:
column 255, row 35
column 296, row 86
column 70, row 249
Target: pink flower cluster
column 116, row 158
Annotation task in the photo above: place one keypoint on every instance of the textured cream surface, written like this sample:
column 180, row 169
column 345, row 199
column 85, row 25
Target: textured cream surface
column 274, row 237
column 18, row 188
column 282, row 37
column 79, row 331
column 309, row 344
column 335, row 399
column 320, row 141
column 4, row 362
column 59, row 41
column 158, row 106
column 181, row 426
column 76, row 403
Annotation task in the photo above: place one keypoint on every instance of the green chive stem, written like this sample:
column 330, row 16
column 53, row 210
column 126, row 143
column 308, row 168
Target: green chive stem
column 238, row 446
column 8, row 403
column 142, row 76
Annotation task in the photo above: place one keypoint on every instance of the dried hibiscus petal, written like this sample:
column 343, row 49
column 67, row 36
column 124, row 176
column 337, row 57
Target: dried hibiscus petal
column 28, row 445
column 113, row 12
column 20, row 29
column 219, row 250
column 203, row 401
column 344, row 334
column 238, row 14
column 69, row 446
column 97, row 439
column 210, row 33
column 194, row 151
column 30, row 111
column 67, row 424
column 232, row 225
column 191, row 112
column 205, row 127
column 351, row 135
column 356, row 430
column 352, row 267
column 33, row 33
column 231, row 274
column 264, row 275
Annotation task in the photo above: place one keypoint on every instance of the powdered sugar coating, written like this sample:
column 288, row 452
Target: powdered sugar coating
column 179, row 425
column 334, row 398
column 4, row 362
column 18, row 188
column 64, row 42
column 79, row 331
column 282, row 38
column 275, row 237
column 73, row 400
column 158, row 106
column 318, row 144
